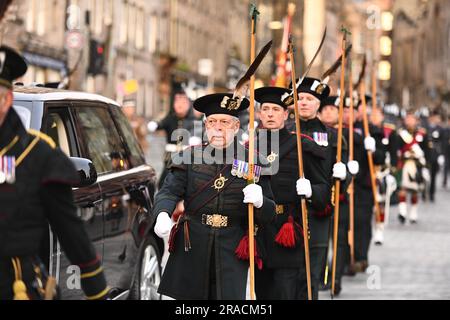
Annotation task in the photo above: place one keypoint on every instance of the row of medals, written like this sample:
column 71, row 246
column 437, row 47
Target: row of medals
column 240, row 169
column 7, row 170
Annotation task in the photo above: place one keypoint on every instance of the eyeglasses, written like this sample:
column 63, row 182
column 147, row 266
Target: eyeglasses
column 210, row 123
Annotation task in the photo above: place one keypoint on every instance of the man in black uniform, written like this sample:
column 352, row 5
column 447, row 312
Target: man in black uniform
column 181, row 116
column 436, row 147
column 209, row 243
column 329, row 114
column 35, row 189
column 284, row 275
column 364, row 200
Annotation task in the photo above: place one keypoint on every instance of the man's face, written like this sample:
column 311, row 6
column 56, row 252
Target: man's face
column 6, row 99
column 308, row 105
column 410, row 121
column 329, row 115
column 377, row 117
column 221, row 129
column 272, row 116
column 181, row 105
column 435, row 120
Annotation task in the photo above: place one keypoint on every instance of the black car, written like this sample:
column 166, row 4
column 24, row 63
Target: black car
column 115, row 195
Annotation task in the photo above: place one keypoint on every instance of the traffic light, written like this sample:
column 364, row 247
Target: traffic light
column 96, row 58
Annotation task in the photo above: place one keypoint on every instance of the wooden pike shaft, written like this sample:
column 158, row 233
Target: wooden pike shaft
column 251, row 162
column 351, row 233
column 369, row 154
column 374, row 87
column 337, row 185
column 301, row 175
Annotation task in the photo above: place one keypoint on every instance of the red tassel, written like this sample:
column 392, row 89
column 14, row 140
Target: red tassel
column 325, row 213
column 173, row 233
column 342, row 197
column 287, row 237
column 242, row 252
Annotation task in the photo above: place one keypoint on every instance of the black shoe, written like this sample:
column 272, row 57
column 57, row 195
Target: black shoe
column 350, row 271
column 401, row 219
column 337, row 289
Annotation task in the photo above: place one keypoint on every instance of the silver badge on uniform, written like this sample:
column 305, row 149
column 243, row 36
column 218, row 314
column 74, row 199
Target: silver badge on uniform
column 321, row 138
column 240, row 169
column 7, row 169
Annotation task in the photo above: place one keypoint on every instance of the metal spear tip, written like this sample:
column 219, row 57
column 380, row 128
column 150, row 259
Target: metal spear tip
column 345, row 31
column 254, row 13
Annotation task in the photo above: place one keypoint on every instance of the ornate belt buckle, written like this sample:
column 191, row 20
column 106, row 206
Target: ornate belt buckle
column 279, row 209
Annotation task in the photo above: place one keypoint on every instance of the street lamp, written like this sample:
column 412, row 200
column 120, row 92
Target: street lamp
column 275, row 25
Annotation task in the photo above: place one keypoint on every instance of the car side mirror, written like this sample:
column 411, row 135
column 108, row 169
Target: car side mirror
column 86, row 171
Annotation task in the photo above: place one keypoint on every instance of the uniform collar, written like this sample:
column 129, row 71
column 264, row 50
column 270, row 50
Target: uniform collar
column 12, row 126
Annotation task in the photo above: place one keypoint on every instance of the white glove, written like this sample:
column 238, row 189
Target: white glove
column 391, row 182
column 353, row 167
column 152, row 126
column 339, row 171
column 163, row 225
column 441, row 160
column 370, row 144
column 195, row 141
column 253, row 194
column 304, row 188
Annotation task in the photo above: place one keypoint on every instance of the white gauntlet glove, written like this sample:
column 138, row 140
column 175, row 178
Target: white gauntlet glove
column 339, row 171
column 163, row 225
column 370, row 144
column 353, row 167
column 304, row 188
column 195, row 141
column 253, row 194
column 152, row 126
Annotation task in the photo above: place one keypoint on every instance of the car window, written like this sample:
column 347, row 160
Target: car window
column 136, row 155
column 56, row 129
column 101, row 139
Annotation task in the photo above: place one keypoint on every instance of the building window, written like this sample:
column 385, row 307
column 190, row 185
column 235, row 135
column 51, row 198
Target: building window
column 124, row 23
column 139, row 27
column 97, row 16
column 131, row 24
column 152, row 33
column 36, row 16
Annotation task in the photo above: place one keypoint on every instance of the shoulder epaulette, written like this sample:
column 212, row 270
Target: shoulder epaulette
column 43, row 136
column 390, row 126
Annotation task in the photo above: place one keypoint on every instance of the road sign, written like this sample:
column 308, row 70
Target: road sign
column 74, row 40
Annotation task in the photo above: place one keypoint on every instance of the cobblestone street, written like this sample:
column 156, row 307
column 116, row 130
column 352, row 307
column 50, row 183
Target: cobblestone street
column 414, row 261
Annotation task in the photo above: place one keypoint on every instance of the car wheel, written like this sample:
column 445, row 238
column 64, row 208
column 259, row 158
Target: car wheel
column 148, row 272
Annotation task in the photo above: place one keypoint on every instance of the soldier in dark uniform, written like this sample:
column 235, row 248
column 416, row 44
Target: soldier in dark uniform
column 364, row 200
column 311, row 91
column 35, row 189
column 209, row 243
column 284, row 275
column 181, row 116
column 329, row 114
column 436, row 147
